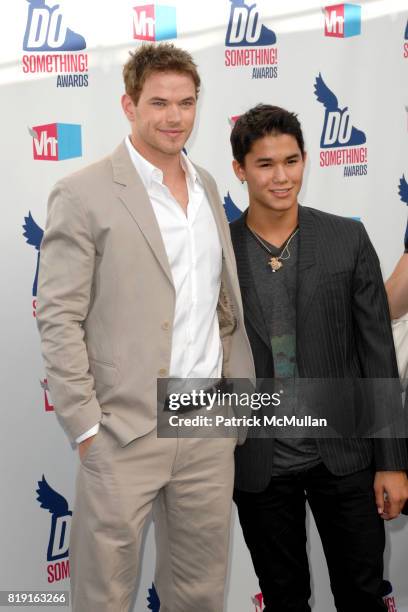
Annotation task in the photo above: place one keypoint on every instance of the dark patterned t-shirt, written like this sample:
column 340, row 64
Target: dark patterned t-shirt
column 277, row 295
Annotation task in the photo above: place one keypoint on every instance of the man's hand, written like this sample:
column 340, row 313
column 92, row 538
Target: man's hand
column 391, row 493
column 84, row 446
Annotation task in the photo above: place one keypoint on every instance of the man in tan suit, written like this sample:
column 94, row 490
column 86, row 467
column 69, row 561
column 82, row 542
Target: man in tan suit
column 138, row 282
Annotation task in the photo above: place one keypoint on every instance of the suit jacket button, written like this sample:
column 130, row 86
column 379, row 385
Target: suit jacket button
column 166, row 325
column 162, row 372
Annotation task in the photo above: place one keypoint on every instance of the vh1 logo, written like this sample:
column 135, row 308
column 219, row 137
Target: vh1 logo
column 342, row 20
column 48, row 405
column 258, row 602
column 154, row 22
column 56, row 141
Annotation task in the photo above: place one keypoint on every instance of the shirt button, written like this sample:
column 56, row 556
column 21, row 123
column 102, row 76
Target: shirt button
column 162, row 372
column 166, row 325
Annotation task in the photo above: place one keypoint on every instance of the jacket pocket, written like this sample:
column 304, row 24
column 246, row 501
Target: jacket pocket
column 105, row 375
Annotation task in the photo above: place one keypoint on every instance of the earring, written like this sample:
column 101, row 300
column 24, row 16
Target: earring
column 242, row 181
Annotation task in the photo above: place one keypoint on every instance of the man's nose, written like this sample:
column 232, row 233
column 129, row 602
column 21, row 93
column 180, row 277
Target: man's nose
column 279, row 175
column 173, row 113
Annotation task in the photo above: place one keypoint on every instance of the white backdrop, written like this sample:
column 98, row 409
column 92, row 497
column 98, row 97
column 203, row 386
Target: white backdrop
column 47, row 77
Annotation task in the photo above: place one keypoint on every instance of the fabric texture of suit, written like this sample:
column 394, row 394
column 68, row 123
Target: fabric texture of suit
column 106, row 300
column 105, row 311
column 342, row 331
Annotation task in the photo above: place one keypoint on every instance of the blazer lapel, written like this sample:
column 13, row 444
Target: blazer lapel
column 224, row 236
column 252, row 306
column 308, row 268
column 133, row 195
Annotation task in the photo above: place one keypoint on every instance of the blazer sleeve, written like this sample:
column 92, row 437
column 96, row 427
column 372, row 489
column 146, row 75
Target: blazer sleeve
column 67, row 260
column 375, row 345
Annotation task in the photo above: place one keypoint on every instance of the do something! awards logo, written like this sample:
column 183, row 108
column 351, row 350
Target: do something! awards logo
column 249, row 42
column 53, row 48
column 33, row 234
column 58, row 541
column 341, row 143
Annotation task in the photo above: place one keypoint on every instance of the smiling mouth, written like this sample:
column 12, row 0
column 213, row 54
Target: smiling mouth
column 281, row 192
column 171, row 132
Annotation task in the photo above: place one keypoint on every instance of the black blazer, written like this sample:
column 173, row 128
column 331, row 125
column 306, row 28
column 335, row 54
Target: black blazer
column 342, row 331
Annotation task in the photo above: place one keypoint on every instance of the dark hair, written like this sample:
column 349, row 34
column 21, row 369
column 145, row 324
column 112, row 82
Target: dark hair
column 260, row 121
column 160, row 57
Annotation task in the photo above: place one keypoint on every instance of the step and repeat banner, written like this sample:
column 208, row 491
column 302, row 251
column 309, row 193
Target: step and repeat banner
column 343, row 68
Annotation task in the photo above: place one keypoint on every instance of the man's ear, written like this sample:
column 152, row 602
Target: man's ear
column 239, row 170
column 128, row 107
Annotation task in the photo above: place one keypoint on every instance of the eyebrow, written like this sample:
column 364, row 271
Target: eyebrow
column 159, row 99
column 269, row 159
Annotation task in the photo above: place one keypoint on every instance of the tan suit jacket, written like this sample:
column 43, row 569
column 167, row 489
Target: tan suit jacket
column 106, row 300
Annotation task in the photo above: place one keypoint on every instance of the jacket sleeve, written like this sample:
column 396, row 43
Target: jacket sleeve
column 67, row 260
column 375, row 345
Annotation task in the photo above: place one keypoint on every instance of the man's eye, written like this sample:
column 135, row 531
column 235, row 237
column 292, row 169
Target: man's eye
column 158, row 103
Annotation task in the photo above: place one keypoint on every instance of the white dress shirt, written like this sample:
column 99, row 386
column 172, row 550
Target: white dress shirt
column 195, row 256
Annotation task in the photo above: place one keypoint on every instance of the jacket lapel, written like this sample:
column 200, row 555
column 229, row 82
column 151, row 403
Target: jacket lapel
column 133, row 195
column 308, row 268
column 228, row 261
column 252, row 306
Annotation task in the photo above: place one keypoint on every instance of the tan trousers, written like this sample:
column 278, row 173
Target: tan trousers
column 191, row 481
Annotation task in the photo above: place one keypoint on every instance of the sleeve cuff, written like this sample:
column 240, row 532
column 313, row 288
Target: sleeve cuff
column 87, row 434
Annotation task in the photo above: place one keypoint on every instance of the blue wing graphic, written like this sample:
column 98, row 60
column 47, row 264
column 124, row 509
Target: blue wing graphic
column 403, row 190
column 325, row 95
column 51, row 500
column 231, row 210
column 153, row 599
column 32, row 232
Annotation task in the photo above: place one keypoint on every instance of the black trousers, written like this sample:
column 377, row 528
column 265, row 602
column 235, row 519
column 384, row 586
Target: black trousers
column 352, row 534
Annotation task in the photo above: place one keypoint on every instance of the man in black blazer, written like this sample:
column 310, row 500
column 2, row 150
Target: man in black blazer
column 315, row 307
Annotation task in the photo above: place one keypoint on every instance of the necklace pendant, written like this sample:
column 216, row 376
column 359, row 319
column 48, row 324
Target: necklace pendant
column 275, row 264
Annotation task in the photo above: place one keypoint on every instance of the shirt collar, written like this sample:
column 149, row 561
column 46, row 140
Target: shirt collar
column 149, row 173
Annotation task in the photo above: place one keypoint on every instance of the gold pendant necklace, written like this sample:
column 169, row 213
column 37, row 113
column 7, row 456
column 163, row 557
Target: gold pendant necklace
column 275, row 261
